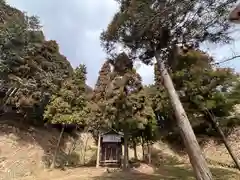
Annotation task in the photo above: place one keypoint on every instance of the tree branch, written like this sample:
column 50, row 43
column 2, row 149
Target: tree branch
column 226, row 60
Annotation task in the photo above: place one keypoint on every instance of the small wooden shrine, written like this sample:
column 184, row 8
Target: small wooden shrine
column 109, row 149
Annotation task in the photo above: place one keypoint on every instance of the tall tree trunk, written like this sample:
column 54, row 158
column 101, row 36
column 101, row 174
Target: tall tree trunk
column 72, row 148
column 85, row 150
column 98, row 150
column 7, row 94
column 224, row 139
column 135, row 149
column 195, row 154
column 125, row 163
column 149, row 153
column 57, row 148
column 74, row 143
column 143, row 150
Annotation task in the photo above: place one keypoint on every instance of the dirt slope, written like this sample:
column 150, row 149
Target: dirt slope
column 25, row 152
column 28, row 151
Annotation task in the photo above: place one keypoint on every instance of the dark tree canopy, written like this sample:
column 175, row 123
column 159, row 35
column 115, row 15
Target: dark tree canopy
column 149, row 26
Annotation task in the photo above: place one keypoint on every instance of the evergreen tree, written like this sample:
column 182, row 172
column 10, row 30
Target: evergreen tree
column 102, row 82
column 208, row 96
column 69, row 105
column 31, row 67
column 153, row 29
column 126, row 107
column 211, row 91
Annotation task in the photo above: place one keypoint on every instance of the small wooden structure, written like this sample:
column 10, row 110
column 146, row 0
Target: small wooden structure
column 109, row 149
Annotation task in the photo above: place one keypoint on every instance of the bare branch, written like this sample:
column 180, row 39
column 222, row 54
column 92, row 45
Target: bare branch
column 226, row 60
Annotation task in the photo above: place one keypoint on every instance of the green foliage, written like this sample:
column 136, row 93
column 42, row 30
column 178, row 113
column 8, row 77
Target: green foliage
column 234, row 93
column 102, row 82
column 46, row 83
column 211, row 91
column 149, row 26
column 200, row 86
column 69, row 106
column 29, row 63
column 125, row 106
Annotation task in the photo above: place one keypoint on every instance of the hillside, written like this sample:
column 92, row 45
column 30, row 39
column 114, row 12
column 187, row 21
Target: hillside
column 26, row 152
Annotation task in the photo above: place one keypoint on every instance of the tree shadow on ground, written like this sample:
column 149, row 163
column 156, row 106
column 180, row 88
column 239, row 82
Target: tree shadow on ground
column 170, row 167
column 130, row 176
column 159, row 157
column 167, row 173
column 186, row 173
column 73, row 162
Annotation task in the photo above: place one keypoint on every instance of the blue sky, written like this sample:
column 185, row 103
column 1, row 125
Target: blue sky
column 77, row 24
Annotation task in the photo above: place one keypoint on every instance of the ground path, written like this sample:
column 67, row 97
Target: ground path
column 144, row 173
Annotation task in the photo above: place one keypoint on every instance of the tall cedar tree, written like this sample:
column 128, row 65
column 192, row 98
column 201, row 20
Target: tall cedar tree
column 102, row 82
column 160, row 101
column 154, row 28
column 126, row 106
column 69, row 106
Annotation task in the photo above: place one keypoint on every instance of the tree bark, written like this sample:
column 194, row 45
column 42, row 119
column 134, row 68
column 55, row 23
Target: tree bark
column 135, row 150
column 195, row 154
column 98, row 150
column 57, row 148
column 143, row 151
column 224, row 139
column 72, row 148
column 125, row 163
column 9, row 94
column 74, row 143
column 9, row 91
column 85, row 150
column 149, row 153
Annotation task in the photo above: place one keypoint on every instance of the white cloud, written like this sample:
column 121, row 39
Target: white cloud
column 93, row 34
column 147, row 72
